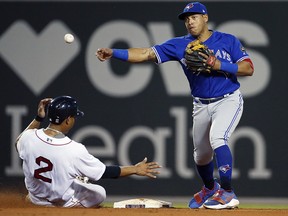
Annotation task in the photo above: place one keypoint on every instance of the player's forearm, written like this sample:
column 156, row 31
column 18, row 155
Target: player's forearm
column 134, row 55
column 245, row 68
column 143, row 168
column 34, row 124
column 127, row 170
column 138, row 55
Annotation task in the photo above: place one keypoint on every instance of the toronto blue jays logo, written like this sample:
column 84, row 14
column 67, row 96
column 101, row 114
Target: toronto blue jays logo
column 224, row 168
column 189, row 6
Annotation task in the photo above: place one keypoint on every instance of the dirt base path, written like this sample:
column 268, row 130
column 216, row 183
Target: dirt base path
column 13, row 204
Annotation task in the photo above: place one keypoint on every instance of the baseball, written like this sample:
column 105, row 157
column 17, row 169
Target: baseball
column 69, row 38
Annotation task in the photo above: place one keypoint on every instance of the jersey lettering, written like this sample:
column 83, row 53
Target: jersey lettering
column 47, row 168
column 223, row 55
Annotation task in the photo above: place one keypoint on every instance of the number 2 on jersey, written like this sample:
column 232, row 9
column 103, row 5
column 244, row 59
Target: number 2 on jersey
column 49, row 167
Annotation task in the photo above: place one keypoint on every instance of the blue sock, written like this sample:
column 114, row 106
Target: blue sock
column 206, row 173
column 224, row 164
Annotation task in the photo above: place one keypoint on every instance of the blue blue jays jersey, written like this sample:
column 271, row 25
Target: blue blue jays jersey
column 226, row 47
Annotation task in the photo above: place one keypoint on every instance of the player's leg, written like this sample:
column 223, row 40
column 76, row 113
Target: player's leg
column 203, row 155
column 86, row 195
column 30, row 198
column 226, row 117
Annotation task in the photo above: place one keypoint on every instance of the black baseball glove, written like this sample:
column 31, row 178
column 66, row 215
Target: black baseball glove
column 199, row 59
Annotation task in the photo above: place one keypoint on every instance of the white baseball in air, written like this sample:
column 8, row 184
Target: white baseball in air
column 69, row 38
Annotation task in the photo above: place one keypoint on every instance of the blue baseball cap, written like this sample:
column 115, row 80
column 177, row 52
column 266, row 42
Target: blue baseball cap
column 193, row 8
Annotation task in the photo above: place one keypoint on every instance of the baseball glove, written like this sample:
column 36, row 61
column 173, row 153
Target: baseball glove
column 196, row 62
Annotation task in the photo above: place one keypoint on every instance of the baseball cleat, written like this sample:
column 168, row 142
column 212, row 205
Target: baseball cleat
column 222, row 200
column 202, row 196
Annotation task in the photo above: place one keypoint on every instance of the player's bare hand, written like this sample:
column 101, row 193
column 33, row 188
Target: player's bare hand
column 147, row 169
column 41, row 107
column 104, row 53
column 211, row 60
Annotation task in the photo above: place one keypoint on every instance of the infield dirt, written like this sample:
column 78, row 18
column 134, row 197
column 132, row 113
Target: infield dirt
column 13, row 204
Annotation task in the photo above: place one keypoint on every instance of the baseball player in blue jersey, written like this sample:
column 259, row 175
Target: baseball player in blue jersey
column 217, row 100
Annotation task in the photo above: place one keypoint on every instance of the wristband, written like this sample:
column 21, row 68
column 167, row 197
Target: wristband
column 39, row 119
column 228, row 67
column 111, row 172
column 121, row 54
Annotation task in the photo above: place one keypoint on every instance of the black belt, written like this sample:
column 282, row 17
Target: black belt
column 211, row 100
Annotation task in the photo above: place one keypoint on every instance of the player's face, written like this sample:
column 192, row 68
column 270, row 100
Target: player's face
column 196, row 24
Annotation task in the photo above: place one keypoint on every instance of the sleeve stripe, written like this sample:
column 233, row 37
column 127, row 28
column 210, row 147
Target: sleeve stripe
column 243, row 58
column 157, row 55
column 246, row 58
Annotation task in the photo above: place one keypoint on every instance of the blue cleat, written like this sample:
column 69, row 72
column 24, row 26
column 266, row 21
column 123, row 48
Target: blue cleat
column 202, row 196
column 222, row 200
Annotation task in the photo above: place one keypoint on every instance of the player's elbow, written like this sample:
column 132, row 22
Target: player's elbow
column 250, row 72
column 245, row 69
column 249, row 67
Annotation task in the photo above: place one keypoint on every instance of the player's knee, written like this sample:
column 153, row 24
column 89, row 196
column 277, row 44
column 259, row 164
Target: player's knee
column 217, row 142
column 99, row 194
column 203, row 158
column 95, row 197
column 102, row 193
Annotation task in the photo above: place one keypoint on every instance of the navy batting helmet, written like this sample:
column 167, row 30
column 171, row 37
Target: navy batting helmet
column 61, row 108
